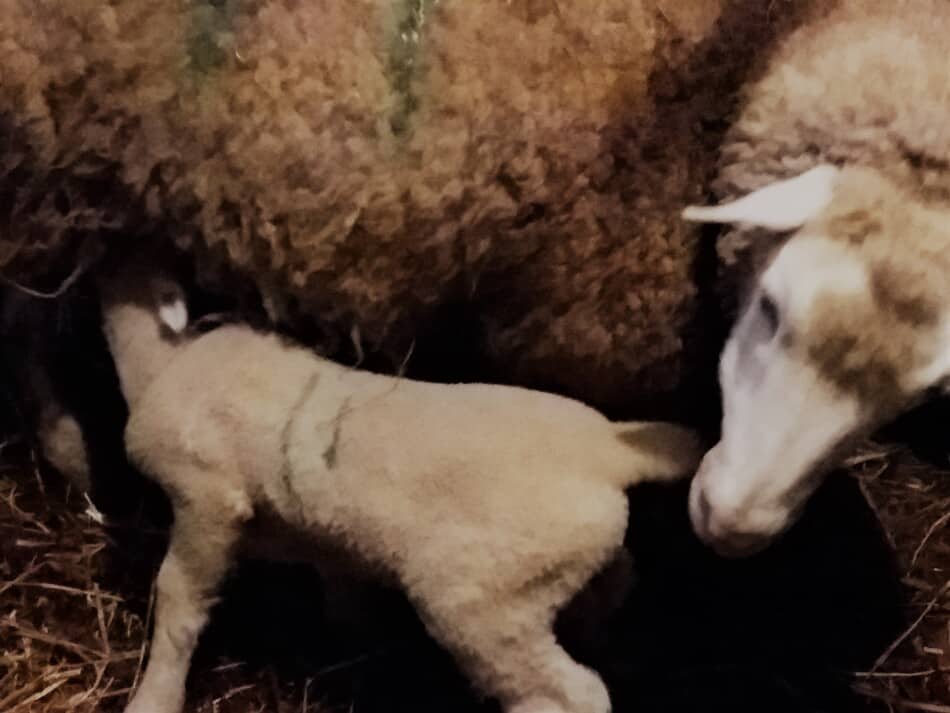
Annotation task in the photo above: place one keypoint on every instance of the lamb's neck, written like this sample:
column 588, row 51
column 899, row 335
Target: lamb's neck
column 140, row 347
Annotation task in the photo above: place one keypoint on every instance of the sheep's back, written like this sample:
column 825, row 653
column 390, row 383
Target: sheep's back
column 393, row 464
column 370, row 163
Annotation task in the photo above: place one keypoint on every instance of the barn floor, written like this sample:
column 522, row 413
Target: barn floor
column 785, row 631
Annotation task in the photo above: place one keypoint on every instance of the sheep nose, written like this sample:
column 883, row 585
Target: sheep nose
column 725, row 539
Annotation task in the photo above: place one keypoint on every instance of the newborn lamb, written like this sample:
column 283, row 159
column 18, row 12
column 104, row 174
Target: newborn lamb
column 490, row 506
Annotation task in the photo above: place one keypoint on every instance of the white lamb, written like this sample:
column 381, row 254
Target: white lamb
column 490, row 506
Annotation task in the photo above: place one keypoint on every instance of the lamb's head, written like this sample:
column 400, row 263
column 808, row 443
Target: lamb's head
column 144, row 311
column 846, row 326
column 151, row 293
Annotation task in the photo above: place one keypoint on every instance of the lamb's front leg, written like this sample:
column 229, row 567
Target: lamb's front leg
column 202, row 546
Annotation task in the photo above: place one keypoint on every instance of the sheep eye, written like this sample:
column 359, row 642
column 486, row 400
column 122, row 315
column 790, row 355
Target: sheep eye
column 768, row 310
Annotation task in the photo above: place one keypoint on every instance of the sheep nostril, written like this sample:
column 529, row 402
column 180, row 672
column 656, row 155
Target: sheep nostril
column 705, row 511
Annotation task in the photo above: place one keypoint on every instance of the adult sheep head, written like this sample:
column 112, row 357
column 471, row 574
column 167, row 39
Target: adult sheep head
column 845, row 328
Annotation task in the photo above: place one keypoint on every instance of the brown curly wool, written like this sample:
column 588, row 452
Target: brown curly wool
column 366, row 162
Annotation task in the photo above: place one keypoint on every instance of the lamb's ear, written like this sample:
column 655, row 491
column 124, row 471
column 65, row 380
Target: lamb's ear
column 783, row 205
column 171, row 304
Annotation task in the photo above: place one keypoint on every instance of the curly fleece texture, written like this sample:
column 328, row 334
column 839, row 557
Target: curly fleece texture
column 866, row 85
column 366, row 163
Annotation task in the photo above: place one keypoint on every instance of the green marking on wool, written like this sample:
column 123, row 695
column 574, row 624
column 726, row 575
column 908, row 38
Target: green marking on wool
column 329, row 455
column 404, row 60
column 209, row 34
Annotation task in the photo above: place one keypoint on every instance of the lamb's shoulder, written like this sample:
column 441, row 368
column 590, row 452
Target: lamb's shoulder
column 235, row 363
column 223, row 401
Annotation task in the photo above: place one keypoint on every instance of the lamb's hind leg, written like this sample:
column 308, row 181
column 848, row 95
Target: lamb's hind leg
column 202, row 545
column 509, row 649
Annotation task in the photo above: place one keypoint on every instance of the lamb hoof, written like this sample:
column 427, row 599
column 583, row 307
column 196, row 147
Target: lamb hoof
column 536, row 706
column 587, row 693
column 548, row 706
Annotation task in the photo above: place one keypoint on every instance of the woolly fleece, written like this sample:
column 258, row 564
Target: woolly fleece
column 367, row 163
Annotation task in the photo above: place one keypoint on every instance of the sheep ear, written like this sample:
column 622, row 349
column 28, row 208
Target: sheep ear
column 174, row 316
column 783, row 205
column 172, row 307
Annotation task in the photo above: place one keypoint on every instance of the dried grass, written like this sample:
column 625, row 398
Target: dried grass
column 912, row 500
column 67, row 645
column 69, row 640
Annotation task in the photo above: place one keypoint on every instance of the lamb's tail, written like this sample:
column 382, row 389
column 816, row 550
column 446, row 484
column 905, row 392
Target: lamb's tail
column 658, row 451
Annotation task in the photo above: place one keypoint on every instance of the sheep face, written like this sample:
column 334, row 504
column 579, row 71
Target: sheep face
column 844, row 330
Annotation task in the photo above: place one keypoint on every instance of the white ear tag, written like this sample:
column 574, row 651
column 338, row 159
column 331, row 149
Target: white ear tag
column 174, row 315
